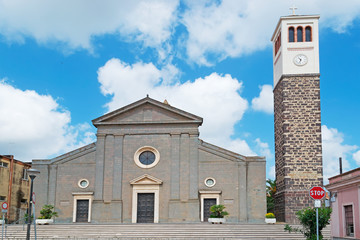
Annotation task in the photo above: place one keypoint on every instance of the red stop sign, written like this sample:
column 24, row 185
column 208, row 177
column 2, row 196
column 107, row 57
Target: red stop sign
column 317, row 193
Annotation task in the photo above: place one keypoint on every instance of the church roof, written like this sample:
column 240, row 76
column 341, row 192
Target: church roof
column 135, row 113
column 230, row 155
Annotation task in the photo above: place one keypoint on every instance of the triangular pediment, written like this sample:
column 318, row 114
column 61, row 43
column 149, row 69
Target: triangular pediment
column 146, row 179
column 147, row 111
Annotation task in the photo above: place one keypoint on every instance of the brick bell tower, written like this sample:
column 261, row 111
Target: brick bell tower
column 297, row 119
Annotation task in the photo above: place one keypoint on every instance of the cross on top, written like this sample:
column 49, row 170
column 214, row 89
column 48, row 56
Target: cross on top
column 293, row 8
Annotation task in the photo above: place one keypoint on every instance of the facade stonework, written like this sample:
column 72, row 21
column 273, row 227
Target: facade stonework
column 14, row 187
column 298, row 150
column 175, row 183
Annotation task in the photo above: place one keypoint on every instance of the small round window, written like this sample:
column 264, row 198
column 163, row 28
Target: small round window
column 210, row 182
column 83, row 183
column 146, row 157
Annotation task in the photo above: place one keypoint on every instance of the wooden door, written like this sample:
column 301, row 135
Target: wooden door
column 82, row 210
column 145, row 208
column 208, row 202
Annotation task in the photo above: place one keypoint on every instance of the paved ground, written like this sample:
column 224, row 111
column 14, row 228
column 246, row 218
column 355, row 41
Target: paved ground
column 157, row 232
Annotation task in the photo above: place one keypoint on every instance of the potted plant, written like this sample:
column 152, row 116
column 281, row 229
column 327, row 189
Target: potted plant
column 270, row 218
column 217, row 214
column 47, row 214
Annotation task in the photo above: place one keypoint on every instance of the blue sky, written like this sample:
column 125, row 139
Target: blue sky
column 63, row 64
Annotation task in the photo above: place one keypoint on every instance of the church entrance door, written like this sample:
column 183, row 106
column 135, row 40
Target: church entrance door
column 208, row 202
column 82, row 210
column 145, row 208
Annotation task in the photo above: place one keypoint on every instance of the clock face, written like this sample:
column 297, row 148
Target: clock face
column 300, row 60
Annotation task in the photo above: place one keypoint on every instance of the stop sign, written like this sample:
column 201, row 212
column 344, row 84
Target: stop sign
column 317, row 193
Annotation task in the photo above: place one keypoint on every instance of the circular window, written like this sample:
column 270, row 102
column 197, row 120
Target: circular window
column 146, row 157
column 83, row 183
column 210, row 182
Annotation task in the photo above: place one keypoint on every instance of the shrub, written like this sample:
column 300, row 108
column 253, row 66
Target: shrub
column 307, row 218
column 47, row 212
column 26, row 217
column 218, row 211
column 269, row 215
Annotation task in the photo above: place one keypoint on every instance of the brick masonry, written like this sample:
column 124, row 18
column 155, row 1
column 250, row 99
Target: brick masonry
column 185, row 162
column 298, row 151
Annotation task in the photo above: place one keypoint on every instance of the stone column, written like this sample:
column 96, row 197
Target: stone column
column 99, row 173
column 175, row 167
column 194, row 167
column 118, row 163
column 52, row 184
column 184, row 167
column 108, row 168
column 243, row 205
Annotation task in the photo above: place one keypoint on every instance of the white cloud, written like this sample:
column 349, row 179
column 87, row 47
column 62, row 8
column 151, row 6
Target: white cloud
column 356, row 157
column 215, row 97
column 333, row 148
column 35, row 126
column 221, row 29
column 265, row 101
column 240, row 146
column 214, row 29
column 263, row 149
column 75, row 23
column 271, row 172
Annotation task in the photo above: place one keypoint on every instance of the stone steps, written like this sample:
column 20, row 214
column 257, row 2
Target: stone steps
column 157, row 231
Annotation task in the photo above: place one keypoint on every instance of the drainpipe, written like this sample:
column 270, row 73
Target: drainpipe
column 10, row 184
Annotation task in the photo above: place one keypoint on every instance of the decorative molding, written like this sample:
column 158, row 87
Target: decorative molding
column 300, row 49
column 146, row 179
column 82, row 193
column 144, row 149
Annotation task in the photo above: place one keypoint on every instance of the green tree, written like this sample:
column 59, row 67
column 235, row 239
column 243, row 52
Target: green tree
column 270, row 195
column 307, row 218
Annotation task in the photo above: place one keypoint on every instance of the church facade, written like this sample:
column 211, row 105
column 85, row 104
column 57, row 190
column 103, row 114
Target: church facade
column 148, row 165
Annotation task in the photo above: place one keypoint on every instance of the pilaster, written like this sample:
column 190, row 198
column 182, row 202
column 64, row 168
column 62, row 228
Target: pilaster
column 52, row 184
column 194, row 167
column 175, row 167
column 99, row 174
column 184, row 167
column 109, row 167
column 118, row 171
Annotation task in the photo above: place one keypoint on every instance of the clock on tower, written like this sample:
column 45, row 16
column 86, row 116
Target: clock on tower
column 297, row 120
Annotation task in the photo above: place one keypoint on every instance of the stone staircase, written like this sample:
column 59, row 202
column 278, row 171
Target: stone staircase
column 157, row 231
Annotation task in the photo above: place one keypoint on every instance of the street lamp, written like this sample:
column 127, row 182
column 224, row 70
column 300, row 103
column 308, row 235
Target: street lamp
column 32, row 174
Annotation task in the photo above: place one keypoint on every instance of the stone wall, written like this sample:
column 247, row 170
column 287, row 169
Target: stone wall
column 298, row 151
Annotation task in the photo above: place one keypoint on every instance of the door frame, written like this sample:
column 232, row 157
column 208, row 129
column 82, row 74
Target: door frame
column 207, row 195
column 145, row 189
column 82, row 196
column 146, row 184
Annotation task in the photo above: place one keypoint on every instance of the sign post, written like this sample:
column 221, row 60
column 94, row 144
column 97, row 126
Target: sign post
column 317, row 193
column 4, row 207
column 33, row 200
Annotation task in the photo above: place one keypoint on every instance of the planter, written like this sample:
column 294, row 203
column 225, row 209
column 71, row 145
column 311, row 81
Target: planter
column 270, row 220
column 1, row 222
column 216, row 220
column 44, row 221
